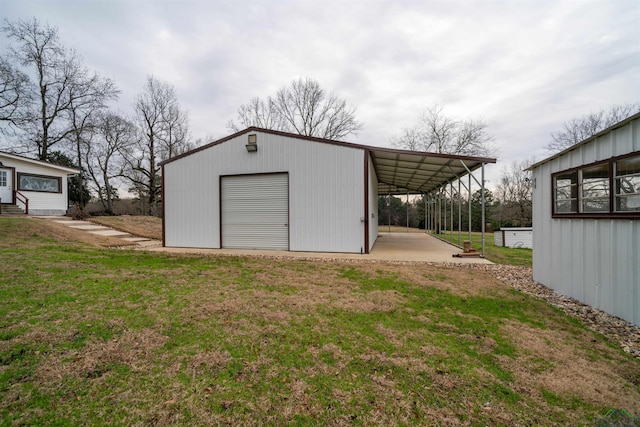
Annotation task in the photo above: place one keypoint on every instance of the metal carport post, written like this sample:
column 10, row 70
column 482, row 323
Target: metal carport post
column 481, row 184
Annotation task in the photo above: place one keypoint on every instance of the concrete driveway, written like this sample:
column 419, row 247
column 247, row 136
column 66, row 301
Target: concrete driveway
column 417, row 247
column 388, row 247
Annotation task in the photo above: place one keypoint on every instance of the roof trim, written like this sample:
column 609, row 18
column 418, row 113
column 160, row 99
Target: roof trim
column 586, row 141
column 329, row 141
column 70, row 171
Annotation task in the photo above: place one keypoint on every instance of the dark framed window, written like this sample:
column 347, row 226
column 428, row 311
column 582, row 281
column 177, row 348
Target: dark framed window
column 42, row 183
column 627, row 185
column 606, row 189
column 595, row 185
column 566, row 192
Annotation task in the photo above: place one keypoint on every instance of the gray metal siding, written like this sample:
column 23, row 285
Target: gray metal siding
column 596, row 261
column 255, row 211
column 326, row 194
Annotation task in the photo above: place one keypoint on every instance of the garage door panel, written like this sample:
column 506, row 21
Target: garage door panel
column 255, row 211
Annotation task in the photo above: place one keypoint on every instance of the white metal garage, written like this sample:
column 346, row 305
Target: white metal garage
column 255, row 211
column 266, row 189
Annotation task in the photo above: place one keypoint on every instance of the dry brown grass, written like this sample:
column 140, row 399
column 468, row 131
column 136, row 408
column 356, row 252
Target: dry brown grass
column 63, row 234
column 558, row 361
column 137, row 225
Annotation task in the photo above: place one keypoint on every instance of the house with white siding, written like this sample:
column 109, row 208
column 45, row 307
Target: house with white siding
column 34, row 186
column 586, row 217
column 266, row 189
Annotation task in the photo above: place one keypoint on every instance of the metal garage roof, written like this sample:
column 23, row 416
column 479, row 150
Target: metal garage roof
column 401, row 171
column 398, row 171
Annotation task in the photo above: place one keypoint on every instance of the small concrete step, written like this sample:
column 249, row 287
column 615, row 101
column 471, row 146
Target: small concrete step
column 7, row 209
column 109, row 232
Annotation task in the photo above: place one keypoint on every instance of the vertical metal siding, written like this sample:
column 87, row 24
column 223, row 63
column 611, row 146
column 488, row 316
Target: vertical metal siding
column 191, row 204
column 325, row 189
column 594, row 260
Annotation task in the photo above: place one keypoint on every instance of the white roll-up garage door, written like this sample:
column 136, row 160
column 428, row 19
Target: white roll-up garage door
column 255, row 211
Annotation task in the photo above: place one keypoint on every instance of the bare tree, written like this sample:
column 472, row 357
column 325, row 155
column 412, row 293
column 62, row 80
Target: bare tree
column 438, row 133
column 114, row 137
column 38, row 48
column 580, row 128
column 258, row 113
column 304, row 108
column 163, row 128
column 88, row 96
column 15, row 96
column 514, row 192
column 174, row 138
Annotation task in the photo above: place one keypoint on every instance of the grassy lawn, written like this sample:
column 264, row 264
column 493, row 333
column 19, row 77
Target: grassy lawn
column 96, row 336
column 497, row 254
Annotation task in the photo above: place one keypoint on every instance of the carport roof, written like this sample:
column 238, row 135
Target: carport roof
column 398, row 171
column 401, row 171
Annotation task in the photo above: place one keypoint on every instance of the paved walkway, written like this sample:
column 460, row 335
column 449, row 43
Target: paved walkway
column 101, row 230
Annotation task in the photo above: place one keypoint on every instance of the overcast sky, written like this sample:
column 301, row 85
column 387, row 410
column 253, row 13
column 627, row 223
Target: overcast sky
column 524, row 67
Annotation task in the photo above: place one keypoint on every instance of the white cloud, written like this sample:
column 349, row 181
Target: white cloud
column 523, row 66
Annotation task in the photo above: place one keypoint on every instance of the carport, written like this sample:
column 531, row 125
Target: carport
column 442, row 179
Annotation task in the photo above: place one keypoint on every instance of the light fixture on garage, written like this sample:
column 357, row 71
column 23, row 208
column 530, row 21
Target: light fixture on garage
column 252, row 145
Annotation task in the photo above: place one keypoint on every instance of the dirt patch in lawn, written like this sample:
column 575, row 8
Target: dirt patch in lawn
column 131, row 349
column 458, row 281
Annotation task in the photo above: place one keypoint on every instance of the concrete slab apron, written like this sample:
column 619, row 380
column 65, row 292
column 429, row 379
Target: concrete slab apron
column 419, row 247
